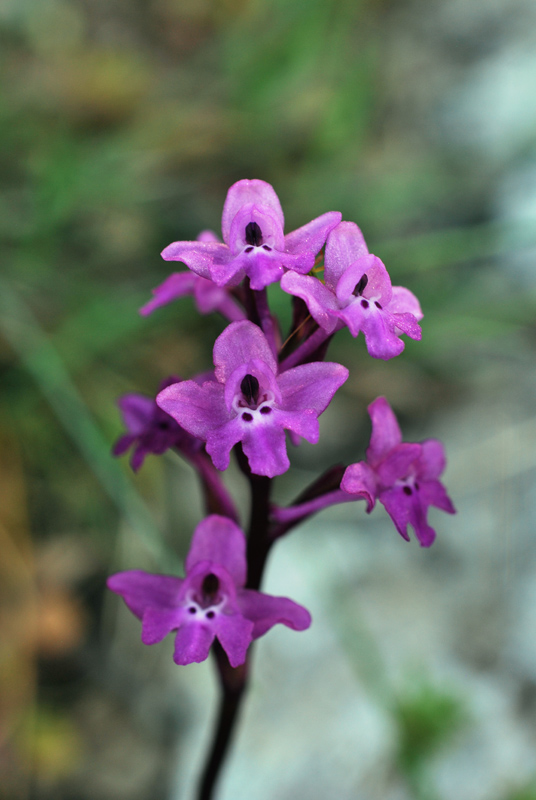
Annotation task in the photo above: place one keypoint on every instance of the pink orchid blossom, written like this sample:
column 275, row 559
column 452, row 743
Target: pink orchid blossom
column 403, row 477
column 210, row 601
column 254, row 242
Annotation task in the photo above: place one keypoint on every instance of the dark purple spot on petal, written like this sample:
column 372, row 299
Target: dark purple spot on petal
column 248, row 249
column 192, row 609
column 250, row 388
column 265, row 247
column 253, row 234
column 407, row 490
column 416, row 485
column 377, row 305
column 210, row 614
column 211, row 584
column 247, row 417
column 360, row 286
column 163, row 426
column 364, row 303
column 266, row 410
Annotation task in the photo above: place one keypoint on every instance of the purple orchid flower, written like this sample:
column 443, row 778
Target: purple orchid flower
column 404, row 477
column 210, row 601
column 357, row 292
column 150, row 430
column 254, row 242
column 207, row 296
column 251, row 403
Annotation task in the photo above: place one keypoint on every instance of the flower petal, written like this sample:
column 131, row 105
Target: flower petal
column 385, row 431
column 158, row 622
column 220, row 540
column 345, row 244
column 239, row 343
column 398, row 506
column 265, row 611
column 137, row 412
column 397, row 463
column 221, row 441
column 359, row 479
column 318, row 298
column 198, row 256
column 199, row 409
column 403, row 301
column 433, row 460
column 266, row 449
column 433, row 493
column 311, row 386
column 235, row 633
column 244, row 192
column 176, row 285
column 192, row 643
column 311, row 237
column 299, row 423
column 265, row 219
column 141, row 590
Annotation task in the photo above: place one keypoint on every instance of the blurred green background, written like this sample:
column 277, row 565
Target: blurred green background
column 122, row 125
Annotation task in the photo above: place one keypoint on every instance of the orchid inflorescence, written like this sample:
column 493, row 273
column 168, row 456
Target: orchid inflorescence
column 260, row 388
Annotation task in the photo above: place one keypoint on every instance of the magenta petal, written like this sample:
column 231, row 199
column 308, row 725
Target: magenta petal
column 199, row 409
column 319, row 299
column 397, row 463
column 381, row 341
column 239, row 343
column 299, row 423
column 266, row 449
column 385, row 430
column 158, row 622
column 398, row 506
column 311, row 237
column 433, row 461
column 264, row 269
column 221, row 441
column 235, row 634
column 345, row 244
column 137, row 411
column 192, row 643
column 360, row 480
column 433, row 493
column 265, row 611
column 311, row 385
column 404, row 323
column 403, row 301
column 176, row 285
column 270, row 227
column 220, row 540
column 123, row 443
column 244, row 192
column 141, row 590
column 352, row 275
column 198, row 256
